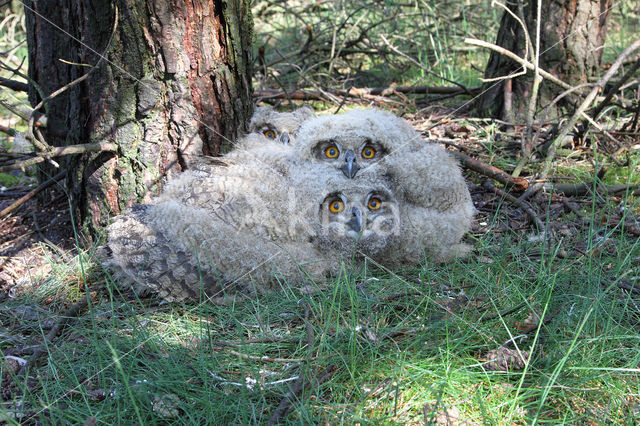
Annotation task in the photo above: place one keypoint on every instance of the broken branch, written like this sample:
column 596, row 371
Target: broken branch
column 515, row 183
column 32, row 193
column 59, row 152
column 19, row 108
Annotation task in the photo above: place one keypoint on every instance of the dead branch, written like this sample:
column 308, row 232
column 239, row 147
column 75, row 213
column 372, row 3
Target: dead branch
column 305, row 95
column 59, row 152
column 515, row 183
column 518, row 59
column 32, row 193
column 613, row 90
column 579, row 111
column 21, row 109
column 576, row 189
column 75, row 310
column 18, row 86
column 526, row 208
column 8, row 130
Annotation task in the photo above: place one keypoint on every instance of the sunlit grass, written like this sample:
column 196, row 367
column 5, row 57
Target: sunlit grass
column 399, row 341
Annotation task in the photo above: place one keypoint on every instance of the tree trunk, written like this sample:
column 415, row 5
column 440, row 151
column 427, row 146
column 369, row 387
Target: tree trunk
column 174, row 84
column 572, row 35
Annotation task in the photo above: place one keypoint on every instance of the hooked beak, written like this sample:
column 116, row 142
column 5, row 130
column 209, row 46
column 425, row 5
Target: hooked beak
column 284, row 138
column 355, row 222
column 350, row 167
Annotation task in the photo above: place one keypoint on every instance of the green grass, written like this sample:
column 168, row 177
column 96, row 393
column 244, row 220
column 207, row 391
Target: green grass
column 126, row 362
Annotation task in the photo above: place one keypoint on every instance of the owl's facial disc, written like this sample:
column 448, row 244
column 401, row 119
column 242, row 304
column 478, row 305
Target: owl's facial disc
column 350, row 167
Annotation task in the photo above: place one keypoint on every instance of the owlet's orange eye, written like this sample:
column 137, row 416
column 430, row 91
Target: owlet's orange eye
column 368, row 152
column 269, row 133
column 331, row 152
column 336, row 206
column 374, row 203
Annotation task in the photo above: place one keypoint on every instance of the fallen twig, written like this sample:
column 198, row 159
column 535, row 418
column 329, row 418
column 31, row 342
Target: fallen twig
column 573, row 189
column 527, row 209
column 285, row 405
column 515, row 183
column 503, row 313
column 75, row 310
column 32, row 193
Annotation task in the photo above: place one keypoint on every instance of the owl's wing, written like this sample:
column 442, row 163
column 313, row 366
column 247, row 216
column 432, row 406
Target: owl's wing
column 140, row 255
column 434, row 202
column 429, row 177
column 181, row 253
column 207, row 165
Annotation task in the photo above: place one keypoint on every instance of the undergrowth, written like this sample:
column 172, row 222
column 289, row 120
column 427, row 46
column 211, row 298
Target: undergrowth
column 398, row 346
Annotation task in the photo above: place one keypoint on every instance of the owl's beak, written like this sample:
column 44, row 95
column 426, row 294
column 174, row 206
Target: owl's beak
column 350, row 167
column 284, row 138
column 355, row 222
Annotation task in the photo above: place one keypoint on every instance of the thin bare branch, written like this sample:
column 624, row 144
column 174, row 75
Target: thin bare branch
column 18, row 86
column 515, row 183
column 557, row 142
column 523, row 205
column 32, row 193
column 518, row 59
column 59, row 152
column 19, row 108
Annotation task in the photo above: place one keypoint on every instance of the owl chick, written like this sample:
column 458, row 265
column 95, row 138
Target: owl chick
column 271, row 134
column 434, row 201
column 238, row 229
column 274, row 125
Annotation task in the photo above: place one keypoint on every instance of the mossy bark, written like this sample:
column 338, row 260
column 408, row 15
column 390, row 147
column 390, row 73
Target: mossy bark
column 175, row 84
column 572, row 35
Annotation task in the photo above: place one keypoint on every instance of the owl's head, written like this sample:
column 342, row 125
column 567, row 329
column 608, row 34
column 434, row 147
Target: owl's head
column 275, row 125
column 354, row 140
column 361, row 219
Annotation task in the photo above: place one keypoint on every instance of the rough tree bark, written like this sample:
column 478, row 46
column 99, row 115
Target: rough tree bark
column 572, row 36
column 175, row 84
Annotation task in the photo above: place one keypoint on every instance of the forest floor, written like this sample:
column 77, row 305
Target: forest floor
column 527, row 328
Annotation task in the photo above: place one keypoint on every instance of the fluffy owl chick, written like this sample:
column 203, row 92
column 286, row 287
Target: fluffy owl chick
column 233, row 230
column 434, row 202
column 353, row 140
column 274, row 126
column 223, row 236
column 271, row 135
column 355, row 219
